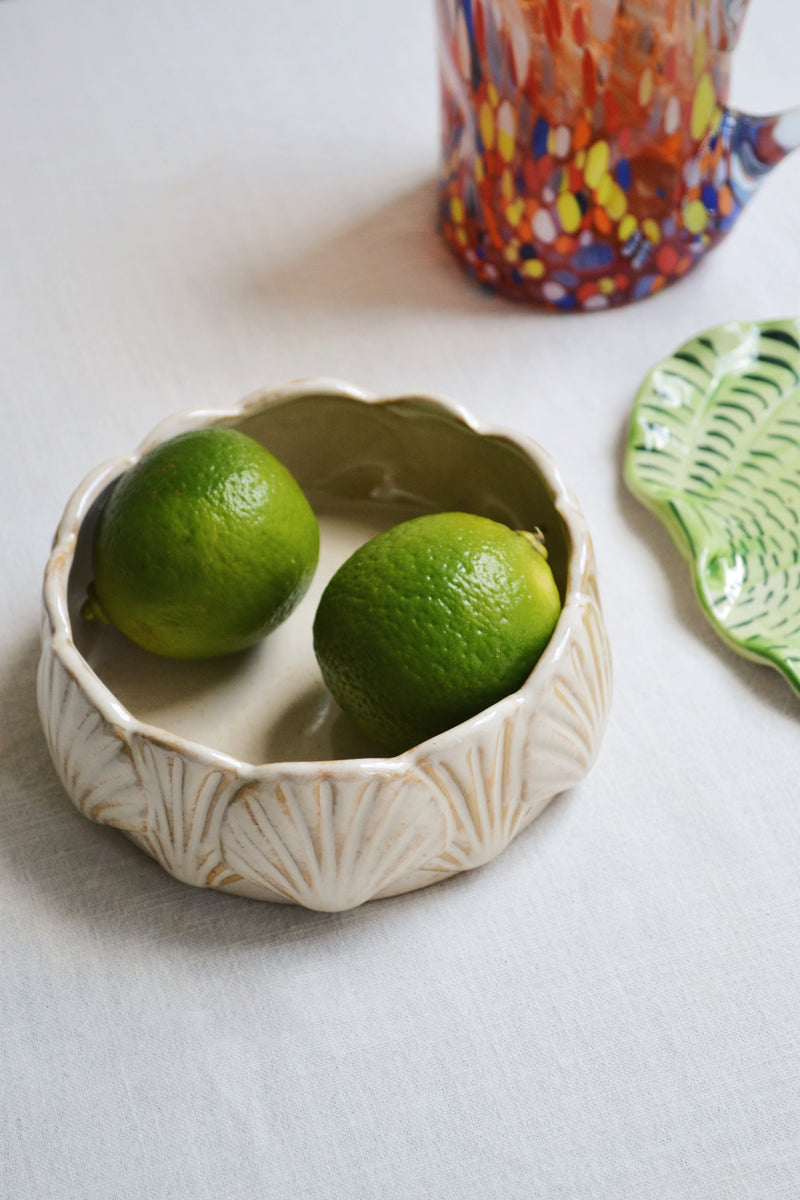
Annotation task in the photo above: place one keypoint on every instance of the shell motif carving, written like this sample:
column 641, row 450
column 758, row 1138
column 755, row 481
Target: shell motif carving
column 328, row 835
column 325, row 838
column 497, row 785
column 92, row 760
column 186, row 803
column 332, row 841
column 164, row 800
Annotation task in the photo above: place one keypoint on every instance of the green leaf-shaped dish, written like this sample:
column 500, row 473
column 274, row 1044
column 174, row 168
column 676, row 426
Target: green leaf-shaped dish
column 714, row 452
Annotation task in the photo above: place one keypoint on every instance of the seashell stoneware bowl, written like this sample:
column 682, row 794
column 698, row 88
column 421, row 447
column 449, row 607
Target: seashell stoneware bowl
column 241, row 773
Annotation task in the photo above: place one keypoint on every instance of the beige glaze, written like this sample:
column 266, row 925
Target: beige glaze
column 241, row 773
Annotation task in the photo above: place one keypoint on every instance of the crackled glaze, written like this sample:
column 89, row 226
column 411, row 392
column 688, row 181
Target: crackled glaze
column 341, row 826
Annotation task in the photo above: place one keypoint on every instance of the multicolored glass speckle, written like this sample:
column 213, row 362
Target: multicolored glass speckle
column 588, row 156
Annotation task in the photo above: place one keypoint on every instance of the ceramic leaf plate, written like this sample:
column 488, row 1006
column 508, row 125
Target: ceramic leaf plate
column 714, row 452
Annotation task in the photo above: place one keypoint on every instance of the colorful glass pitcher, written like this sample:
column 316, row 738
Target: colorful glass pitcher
column 589, row 157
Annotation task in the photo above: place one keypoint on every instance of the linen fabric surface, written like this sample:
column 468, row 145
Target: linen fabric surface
column 199, row 200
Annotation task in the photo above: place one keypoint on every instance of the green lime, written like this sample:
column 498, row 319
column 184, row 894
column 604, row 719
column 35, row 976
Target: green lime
column 203, row 547
column 431, row 622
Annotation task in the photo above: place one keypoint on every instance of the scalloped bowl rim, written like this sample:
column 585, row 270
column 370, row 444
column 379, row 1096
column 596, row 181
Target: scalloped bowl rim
column 59, row 564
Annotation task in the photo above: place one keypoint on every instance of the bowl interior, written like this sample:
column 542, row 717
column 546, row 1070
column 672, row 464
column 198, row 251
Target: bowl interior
column 364, row 467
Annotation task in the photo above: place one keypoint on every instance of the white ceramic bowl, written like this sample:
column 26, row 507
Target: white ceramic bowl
column 241, row 773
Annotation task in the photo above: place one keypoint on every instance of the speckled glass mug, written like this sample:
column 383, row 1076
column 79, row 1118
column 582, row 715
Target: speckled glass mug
column 588, row 155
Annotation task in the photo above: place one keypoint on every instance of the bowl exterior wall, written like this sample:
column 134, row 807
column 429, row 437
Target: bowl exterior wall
column 330, row 835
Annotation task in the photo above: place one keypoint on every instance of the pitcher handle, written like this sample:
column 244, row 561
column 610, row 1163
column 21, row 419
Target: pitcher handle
column 761, row 142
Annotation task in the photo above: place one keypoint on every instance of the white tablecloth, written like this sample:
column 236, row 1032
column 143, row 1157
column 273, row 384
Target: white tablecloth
column 200, row 198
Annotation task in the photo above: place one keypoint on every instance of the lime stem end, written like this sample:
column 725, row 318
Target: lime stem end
column 92, row 609
column 535, row 538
